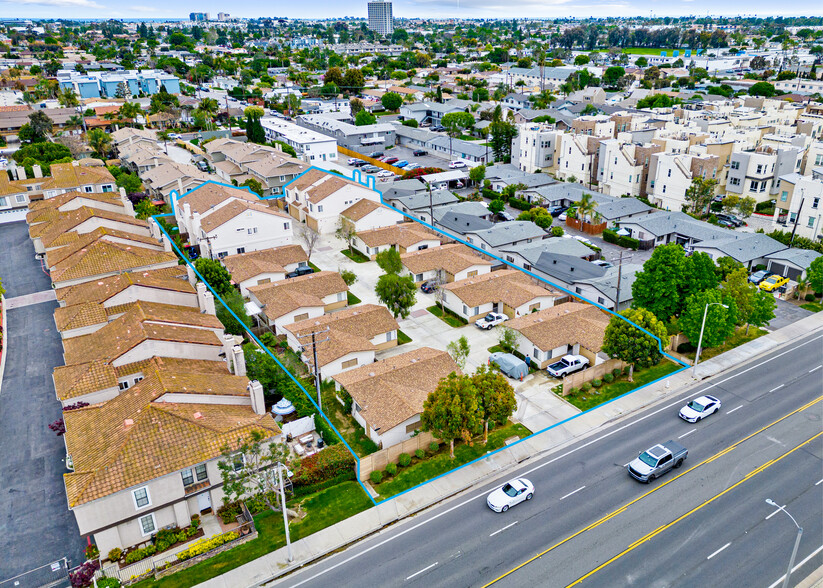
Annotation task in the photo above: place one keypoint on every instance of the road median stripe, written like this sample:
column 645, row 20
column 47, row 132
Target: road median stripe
column 692, row 511
column 655, row 489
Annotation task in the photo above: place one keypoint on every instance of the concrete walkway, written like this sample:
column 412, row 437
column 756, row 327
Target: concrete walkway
column 365, row 523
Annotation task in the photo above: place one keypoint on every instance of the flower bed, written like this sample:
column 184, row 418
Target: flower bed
column 206, row 545
column 162, row 541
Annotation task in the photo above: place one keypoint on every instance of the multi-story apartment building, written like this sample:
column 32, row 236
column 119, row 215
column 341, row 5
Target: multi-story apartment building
column 595, row 126
column 757, row 172
column 577, row 157
column 110, row 84
column 534, row 147
column 380, row 18
column 623, row 168
column 670, row 176
column 799, row 206
column 311, row 146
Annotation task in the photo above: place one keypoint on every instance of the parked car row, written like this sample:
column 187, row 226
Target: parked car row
column 396, row 162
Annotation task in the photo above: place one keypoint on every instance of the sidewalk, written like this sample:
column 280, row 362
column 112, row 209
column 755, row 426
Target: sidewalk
column 333, row 538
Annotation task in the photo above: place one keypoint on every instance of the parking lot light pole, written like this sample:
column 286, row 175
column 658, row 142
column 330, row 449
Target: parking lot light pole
column 700, row 341
column 796, row 541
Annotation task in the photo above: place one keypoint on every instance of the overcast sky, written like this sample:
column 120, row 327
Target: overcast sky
column 405, row 8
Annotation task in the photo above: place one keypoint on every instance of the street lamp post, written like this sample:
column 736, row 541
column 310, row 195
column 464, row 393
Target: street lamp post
column 700, row 341
column 796, row 541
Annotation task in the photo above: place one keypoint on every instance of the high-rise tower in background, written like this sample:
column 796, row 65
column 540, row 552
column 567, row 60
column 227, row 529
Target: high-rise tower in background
column 380, row 18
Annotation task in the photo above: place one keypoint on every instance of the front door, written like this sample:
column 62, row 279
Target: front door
column 204, row 501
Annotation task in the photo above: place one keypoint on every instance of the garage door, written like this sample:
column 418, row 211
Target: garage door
column 785, row 270
column 11, row 216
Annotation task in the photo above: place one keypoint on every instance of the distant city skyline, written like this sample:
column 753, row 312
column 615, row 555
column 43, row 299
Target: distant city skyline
column 406, row 9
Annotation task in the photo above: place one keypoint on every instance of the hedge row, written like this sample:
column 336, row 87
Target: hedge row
column 520, row 204
column 610, row 236
column 325, row 465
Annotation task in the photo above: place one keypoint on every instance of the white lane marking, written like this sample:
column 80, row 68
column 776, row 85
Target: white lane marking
column 573, row 492
column 818, row 483
column 576, row 449
column 777, row 388
column 815, row 369
column 774, row 513
column 719, row 550
column 734, row 409
column 689, row 433
column 798, row 566
column 421, row 571
column 500, row 530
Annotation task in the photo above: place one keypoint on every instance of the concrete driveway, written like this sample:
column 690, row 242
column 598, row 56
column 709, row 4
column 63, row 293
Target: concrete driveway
column 36, row 527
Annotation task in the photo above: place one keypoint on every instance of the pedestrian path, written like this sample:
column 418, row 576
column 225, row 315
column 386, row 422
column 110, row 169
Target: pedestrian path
column 337, row 536
column 29, row 299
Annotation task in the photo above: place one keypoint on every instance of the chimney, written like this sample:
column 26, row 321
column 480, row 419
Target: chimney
column 258, row 405
column 209, row 304
column 180, row 185
column 155, row 230
column 37, row 170
column 239, row 361
column 228, row 345
column 201, row 296
column 191, row 275
column 21, row 172
column 127, row 205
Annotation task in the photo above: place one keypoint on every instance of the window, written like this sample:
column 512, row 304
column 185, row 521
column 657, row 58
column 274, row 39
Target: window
column 341, row 296
column 759, row 169
column 141, row 497
column 536, row 353
column 810, row 224
column 411, row 427
column 349, row 363
column 286, row 226
column 664, row 188
column 818, row 160
column 815, row 202
column 418, row 277
column 238, row 461
column 147, row 525
column 669, row 173
column 301, row 317
column 735, row 165
column 734, row 181
column 222, row 254
column 319, row 208
column 123, row 385
column 88, row 189
column 465, row 310
column 252, row 231
column 754, row 186
column 578, row 290
column 107, row 188
column 21, row 198
column 4, row 201
column 784, row 196
column 475, row 311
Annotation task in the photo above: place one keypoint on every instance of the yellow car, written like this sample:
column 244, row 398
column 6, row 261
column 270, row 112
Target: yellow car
column 772, row 283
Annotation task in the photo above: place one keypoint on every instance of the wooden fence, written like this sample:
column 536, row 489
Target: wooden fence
column 376, row 162
column 598, row 371
column 588, row 228
column 379, row 459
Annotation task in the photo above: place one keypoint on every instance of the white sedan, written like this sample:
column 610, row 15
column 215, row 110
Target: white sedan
column 509, row 494
column 385, row 174
column 699, row 408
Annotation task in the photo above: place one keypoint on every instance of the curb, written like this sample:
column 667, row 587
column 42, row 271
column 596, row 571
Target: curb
column 5, row 334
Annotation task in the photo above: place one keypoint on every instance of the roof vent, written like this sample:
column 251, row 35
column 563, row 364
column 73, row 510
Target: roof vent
column 128, row 423
column 198, row 415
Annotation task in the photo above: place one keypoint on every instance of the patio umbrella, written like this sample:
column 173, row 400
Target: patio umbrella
column 283, row 407
column 623, row 232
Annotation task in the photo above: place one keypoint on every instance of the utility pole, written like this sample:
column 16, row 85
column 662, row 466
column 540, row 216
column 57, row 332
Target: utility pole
column 431, row 206
column 316, row 368
column 619, row 262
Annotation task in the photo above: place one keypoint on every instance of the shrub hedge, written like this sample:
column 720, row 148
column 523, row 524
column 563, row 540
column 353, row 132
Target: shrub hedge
column 610, row 236
column 404, row 459
column 391, row 468
column 324, row 465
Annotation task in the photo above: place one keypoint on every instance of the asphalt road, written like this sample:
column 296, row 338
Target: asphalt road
column 587, row 510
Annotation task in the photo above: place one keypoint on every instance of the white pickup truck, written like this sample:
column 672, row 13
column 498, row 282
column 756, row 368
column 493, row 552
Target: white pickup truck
column 491, row 320
column 657, row 460
column 568, row 364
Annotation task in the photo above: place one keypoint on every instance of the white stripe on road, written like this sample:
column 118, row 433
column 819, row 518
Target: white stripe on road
column 574, row 492
column 798, row 566
column 548, row 462
column 689, row 433
column 734, row 409
column 818, row 483
column 719, row 550
column 774, row 513
column 421, row 571
column 778, row 388
column 815, row 369
column 500, row 530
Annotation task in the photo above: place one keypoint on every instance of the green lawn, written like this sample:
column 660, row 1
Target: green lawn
column 439, row 463
column 314, row 267
column 325, row 508
column 349, row 428
column 402, row 338
column 355, row 255
column 738, row 338
column 449, row 317
column 594, row 397
column 813, row 306
column 352, row 299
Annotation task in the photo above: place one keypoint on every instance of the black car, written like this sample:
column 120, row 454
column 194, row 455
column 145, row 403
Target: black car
column 428, row 287
column 557, row 210
column 358, row 163
column 729, row 220
column 375, row 154
column 303, row 270
column 418, row 152
column 438, row 128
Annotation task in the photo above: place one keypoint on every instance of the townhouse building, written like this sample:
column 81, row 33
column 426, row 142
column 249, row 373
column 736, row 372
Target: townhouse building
column 798, row 206
column 318, row 197
column 311, row 146
column 264, row 266
column 757, row 172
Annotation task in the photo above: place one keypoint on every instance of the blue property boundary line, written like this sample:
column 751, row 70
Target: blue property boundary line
column 356, row 177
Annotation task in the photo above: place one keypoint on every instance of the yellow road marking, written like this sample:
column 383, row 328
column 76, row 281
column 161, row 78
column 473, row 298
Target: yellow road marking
column 692, row 511
column 655, row 489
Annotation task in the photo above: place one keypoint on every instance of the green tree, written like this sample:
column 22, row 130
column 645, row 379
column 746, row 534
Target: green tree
column 389, row 261
column 623, row 340
column 538, row 215
column 398, row 293
column 233, row 301
column 587, row 209
column 346, row 232
column 612, row 75
column 746, row 206
column 333, row 76
column 725, row 266
column 349, row 277
column 815, row 274
column 764, row 89
column 641, row 62
column 100, row 141
column 130, row 110
column 507, row 338
column 144, row 209
column 451, row 411
column 459, row 351
column 67, row 98
column 477, row 174
column 39, row 126
column 130, row 183
column 391, row 101
column 364, row 118
column 658, row 288
column 720, row 322
column 754, row 306
column 353, row 81
column 495, row 397
column 254, row 185
column 581, row 60
column 356, row 105
column 496, row 206
column 699, row 274
column 213, row 272
column 700, row 193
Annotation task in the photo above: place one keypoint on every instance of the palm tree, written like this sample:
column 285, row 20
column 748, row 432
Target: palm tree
column 67, row 98
column 209, row 107
column 100, row 141
column 586, row 209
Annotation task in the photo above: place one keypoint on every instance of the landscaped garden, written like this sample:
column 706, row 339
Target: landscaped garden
column 427, row 464
column 355, row 255
column 739, row 337
column 447, row 316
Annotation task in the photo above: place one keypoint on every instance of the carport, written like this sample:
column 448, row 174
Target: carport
column 446, row 177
